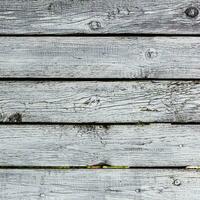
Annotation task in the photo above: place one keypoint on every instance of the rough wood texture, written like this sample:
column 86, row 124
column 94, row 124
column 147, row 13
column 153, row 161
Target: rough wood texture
column 126, row 145
column 99, row 184
column 155, row 101
column 83, row 57
column 99, row 16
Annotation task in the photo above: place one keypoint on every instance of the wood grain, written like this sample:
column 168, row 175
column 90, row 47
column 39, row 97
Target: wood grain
column 100, row 57
column 86, row 145
column 99, row 184
column 109, row 102
column 99, row 16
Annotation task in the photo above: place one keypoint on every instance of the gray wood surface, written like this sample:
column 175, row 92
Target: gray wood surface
column 99, row 184
column 138, row 145
column 116, row 145
column 105, row 57
column 99, row 16
column 131, row 101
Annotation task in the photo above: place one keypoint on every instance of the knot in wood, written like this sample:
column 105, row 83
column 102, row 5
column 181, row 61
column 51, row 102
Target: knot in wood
column 50, row 6
column 42, row 195
column 138, row 190
column 192, row 12
column 177, row 182
column 151, row 53
column 94, row 25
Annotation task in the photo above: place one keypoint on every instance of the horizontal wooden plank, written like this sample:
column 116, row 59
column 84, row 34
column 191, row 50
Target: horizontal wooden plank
column 109, row 102
column 113, row 16
column 131, row 184
column 104, row 57
column 86, row 145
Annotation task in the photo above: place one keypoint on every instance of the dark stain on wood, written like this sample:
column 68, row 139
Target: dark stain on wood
column 15, row 118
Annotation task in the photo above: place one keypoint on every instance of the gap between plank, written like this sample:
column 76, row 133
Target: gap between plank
column 97, row 79
column 94, row 167
column 101, row 35
column 98, row 124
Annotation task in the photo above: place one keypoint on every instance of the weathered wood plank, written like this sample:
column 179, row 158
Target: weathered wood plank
column 83, row 57
column 109, row 102
column 82, row 145
column 131, row 184
column 99, row 16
